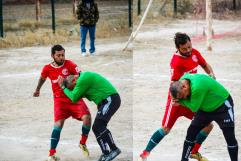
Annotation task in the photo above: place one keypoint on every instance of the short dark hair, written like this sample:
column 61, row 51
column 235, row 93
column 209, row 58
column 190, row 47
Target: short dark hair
column 68, row 81
column 56, row 48
column 181, row 38
column 175, row 88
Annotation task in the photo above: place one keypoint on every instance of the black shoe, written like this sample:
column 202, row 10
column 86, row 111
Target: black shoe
column 112, row 155
column 102, row 157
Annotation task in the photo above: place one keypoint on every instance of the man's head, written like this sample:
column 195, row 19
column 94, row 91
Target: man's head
column 183, row 44
column 180, row 89
column 58, row 54
column 70, row 81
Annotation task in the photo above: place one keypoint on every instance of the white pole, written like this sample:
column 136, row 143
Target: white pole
column 38, row 10
column 133, row 34
column 74, row 8
column 209, row 24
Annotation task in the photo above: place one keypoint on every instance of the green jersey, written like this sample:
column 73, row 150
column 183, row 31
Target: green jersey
column 92, row 86
column 206, row 93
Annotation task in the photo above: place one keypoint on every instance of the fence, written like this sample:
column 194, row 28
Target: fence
column 21, row 17
column 166, row 7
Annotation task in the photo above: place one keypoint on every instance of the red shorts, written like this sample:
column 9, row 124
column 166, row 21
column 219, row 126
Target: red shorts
column 172, row 113
column 64, row 108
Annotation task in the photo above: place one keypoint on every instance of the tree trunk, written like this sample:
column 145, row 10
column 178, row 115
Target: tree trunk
column 38, row 10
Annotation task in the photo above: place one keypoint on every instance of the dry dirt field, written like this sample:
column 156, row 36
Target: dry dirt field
column 142, row 78
column 152, row 51
column 26, row 122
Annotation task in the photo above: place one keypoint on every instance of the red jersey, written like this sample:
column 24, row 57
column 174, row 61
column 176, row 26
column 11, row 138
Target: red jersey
column 53, row 73
column 181, row 65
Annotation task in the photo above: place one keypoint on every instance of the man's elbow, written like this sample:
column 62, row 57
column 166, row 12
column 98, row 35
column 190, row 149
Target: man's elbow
column 194, row 109
column 75, row 99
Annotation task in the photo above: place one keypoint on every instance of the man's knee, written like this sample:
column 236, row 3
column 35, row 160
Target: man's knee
column 208, row 128
column 98, row 127
column 86, row 119
column 59, row 123
column 166, row 130
column 192, row 132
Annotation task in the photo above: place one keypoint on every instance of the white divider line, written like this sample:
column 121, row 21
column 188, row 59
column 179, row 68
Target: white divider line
column 115, row 62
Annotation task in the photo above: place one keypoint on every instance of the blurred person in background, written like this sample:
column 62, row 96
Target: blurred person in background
column 88, row 15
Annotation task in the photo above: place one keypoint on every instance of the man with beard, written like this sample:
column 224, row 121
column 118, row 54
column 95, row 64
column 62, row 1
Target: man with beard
column 63, row 106
column 185, row 60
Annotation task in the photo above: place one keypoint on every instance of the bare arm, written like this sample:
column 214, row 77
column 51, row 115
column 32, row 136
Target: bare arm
column 208, row 69
column 40, row 83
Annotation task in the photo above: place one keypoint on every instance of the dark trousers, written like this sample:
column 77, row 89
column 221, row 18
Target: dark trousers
column 106, row 109
column 224, row 116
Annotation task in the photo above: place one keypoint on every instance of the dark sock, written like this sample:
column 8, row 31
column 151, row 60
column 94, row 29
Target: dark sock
column 110, row 141
column 54, row 140
column 155, row 139
column 106, row 142
column 233, row 152
column 187, row 148
column 103, row 145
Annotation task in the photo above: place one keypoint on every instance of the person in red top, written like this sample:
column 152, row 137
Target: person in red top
column 63, row 106
column 185, row 60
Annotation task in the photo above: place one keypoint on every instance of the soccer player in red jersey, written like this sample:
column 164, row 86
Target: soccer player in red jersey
column 185, row 60
column 63, row 106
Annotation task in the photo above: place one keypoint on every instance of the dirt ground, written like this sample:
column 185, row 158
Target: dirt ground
column 152, row 51
column 26, row 122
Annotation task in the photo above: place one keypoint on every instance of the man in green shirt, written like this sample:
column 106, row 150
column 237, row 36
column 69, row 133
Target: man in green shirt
column 96, row 88
column 211, row 102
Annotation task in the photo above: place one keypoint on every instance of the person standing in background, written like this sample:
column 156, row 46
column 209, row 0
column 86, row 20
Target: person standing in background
column 88, row 15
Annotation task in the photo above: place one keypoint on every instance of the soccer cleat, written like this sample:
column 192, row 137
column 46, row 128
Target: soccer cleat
column 102, row 157
column 144, row 155
column 112, row 155
column 198, row 156
column 84, row 149
column 53, row 158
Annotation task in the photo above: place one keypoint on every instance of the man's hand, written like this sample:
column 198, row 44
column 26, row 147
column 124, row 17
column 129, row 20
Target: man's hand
column 212, row 75
column 40, row 83
column 60, row 82
column 36, row 93
column 175, row 102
